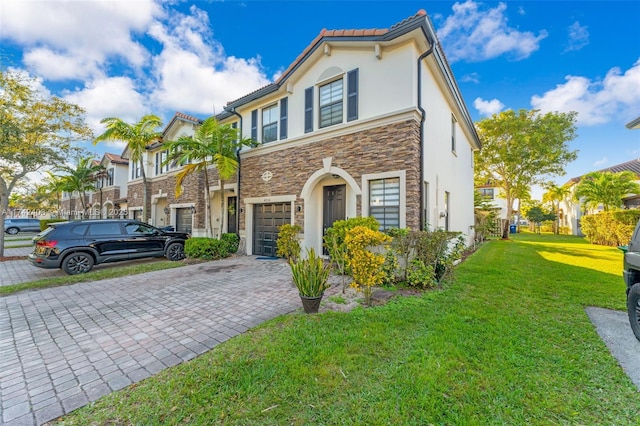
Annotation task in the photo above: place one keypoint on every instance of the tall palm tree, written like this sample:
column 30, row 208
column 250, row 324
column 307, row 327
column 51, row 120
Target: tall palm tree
column 55, row 185
column 137, row 136
column 606, row 188
column 213, row 144
column 555, row 195
column 80, row 178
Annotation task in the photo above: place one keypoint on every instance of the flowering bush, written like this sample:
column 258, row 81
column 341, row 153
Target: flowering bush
column 366, row 266
column 288, row 245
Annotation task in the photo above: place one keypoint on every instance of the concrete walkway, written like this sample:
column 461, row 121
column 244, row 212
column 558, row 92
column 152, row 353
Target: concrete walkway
column 63, row 347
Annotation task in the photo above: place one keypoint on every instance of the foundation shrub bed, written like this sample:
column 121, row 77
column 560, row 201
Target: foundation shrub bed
column 206, row 248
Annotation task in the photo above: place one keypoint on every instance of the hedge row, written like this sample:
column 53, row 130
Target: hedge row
column 610, row 228
column 211, row 248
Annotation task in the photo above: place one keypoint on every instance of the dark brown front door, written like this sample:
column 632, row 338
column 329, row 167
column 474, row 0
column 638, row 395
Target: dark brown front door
column 334, row 206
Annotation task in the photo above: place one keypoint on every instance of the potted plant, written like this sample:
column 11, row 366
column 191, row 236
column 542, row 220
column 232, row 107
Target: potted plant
column 311, row 276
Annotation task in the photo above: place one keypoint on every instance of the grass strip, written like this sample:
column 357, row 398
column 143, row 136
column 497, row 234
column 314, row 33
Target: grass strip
column 95, row 275
column 508, row 342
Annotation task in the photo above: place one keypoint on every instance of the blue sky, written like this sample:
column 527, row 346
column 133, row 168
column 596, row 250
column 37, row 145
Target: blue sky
column 129, row 58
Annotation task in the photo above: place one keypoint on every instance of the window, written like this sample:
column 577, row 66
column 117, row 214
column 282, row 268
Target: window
column 110, row 177
column 161, row 168
column 384, row 202
column 135, row 170
column 331, row 104
column 270, row 124
column 486, row 193
column 453, row 133
column 425, row 205
column 106, row 228
column 138, row 229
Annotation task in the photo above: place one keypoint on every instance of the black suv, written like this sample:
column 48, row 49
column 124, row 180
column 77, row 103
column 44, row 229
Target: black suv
column 77, row 246
column 13, row 226
column 631, row 274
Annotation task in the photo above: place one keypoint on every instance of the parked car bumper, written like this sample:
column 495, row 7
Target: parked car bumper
column 43, row 262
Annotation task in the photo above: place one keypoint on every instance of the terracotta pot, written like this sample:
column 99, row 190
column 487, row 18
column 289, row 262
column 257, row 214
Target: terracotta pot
column 311, row 304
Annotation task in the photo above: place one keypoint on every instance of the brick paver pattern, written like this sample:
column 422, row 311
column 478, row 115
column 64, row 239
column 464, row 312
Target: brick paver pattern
column 63, row 347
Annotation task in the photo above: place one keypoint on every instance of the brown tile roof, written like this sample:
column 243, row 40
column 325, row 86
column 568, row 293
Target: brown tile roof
column 188, row 117
column 355, row 33
column 629, row 166
column 116, row 159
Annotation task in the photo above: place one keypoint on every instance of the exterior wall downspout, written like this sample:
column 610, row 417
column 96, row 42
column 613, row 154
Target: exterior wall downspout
column 422, row 119
column 233, row 111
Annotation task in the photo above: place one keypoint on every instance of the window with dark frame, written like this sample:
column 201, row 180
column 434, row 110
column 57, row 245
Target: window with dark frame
column 453, row 133
column 384, row 202
column 486, row 192
column 331, row 103
column 270, row 124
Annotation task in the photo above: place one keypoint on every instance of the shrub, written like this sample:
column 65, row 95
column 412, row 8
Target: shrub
column 288, row 245
column 366, row 266
column 439, row 250
column 610, row 228
column 232, row 241
column 206, row 248
column 334, row 240
column 310, row 275
column 421, row 275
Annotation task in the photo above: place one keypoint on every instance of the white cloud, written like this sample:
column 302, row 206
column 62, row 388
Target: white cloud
column 595, row 101
column 488, row 108
column 192, row 72
column 578, row 37
column 93, row 30
column 110, row 97
column 601, row 162
column 474, row 35
column 470, row 78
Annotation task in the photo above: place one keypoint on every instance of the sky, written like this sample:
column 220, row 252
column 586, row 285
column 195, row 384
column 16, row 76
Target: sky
column 119, row 58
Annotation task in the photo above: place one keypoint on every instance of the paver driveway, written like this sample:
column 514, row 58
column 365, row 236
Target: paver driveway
column 63, row 347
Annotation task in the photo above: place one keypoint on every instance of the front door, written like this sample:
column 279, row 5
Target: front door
column 334, row 206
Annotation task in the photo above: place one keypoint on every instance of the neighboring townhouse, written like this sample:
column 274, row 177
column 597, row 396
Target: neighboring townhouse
column 572, row 210
column 362, row 123
column 185, row 213
column 102, row 203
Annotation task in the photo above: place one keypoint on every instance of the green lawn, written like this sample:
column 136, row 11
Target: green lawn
column 507, row 343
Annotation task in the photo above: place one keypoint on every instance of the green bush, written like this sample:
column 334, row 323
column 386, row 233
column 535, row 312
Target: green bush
column 232, row 241
column 288, row 245
column 335, row 236
column 610, row 228
column 206, row 248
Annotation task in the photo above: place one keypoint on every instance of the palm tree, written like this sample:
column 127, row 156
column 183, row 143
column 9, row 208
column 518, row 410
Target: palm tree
column 606, row 188
column 137, row 136
column 55, row 185
column 213, row 144
column 80, row 178
column 555, row 195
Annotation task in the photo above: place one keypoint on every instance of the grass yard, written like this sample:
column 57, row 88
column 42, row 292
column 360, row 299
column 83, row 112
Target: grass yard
column 507, row 343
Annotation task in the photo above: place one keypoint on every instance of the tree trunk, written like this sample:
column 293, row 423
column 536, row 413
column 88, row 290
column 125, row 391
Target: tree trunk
column 145, row 217
column 4, row 206
column 207, row 202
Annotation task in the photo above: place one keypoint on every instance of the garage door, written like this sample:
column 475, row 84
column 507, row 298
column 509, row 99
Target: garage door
column 183, row 219
column 266, row 219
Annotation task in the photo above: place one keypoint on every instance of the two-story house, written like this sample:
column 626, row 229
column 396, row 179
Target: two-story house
column 572, row 210
column 186, row 213
column 110, row 186
column 362, row 123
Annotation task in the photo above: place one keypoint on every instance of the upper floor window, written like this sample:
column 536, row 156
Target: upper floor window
column 110, row 177
column 486, row 192
column 384, row 202
column 135, row 169
column 331, row 103
column 270, row 124
column 161, row 163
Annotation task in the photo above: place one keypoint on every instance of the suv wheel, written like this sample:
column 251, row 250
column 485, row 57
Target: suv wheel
column 77, row 263
column 175, row 251
column 633, row 307
column 12, row 231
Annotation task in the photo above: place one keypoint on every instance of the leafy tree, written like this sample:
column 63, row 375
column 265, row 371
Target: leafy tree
column 137, row 136
column 606, row 188
column 537, row 215
column 520, row 149
column 55, row 185
column 35, row 131
column 555, row 195
column 213, row 144
column 80, row 178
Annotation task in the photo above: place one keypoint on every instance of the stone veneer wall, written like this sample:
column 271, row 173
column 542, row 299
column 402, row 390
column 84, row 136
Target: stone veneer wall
column 193, row 192
column 387, row 148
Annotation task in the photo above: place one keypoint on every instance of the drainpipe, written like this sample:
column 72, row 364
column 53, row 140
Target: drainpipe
column 233, row 111
column 422, row 118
